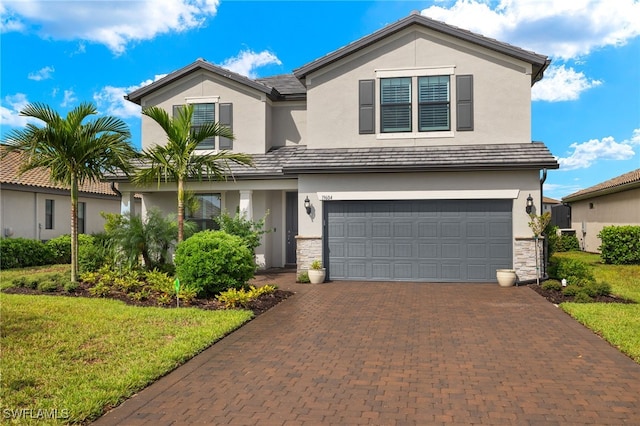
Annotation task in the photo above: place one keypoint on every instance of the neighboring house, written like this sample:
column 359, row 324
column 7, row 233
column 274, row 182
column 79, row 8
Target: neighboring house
column 31, row 206
column 613, row 202
column 403, row 156
column 548, row 203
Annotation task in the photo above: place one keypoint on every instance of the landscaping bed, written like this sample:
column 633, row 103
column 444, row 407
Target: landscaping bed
column 258, row 306
column 557, row 296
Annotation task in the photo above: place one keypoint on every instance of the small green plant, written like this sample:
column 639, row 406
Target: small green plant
column 233, row 298
column 316, row 265
column 47, row 286
column 70, row 287
column 552, row 285
column 582, row 297
column 20, row 282
column 100, row 290
column 574, row 271
column 303, row 277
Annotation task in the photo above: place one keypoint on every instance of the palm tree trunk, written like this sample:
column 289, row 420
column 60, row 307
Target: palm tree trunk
column 74, row 228
column 180, row 210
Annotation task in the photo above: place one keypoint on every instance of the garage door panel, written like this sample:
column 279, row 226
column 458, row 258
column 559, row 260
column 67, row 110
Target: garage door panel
column 381, row 229
column 427, row 229
column 476, row 251
column 357, row 249
column 403, row 250
column 403, row 271
column 381, row 250
column 450, row 229
column 418, row 240
column 427, row 250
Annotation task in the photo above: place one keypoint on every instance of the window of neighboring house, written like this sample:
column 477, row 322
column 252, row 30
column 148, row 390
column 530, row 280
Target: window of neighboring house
column 203, row 209
column 202, row 114
column 82, row 214
column 395, row 104
column 433, row 103
column 49, row 209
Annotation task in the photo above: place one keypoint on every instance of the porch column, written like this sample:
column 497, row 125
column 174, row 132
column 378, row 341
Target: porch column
column 127, row 203
column 246, row 208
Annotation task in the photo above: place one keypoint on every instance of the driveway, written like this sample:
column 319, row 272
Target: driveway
column 351, row 353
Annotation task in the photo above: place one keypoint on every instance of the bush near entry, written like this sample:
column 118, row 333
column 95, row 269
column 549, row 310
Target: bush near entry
column 214, row 261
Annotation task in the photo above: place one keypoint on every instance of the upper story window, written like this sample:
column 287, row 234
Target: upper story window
column 205, row 112
column 416, row 103
column 395, row 104
column 433, row 97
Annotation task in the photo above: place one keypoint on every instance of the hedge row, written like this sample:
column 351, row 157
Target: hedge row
column 620, row 245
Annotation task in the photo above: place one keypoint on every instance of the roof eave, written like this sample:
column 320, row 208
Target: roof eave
column 540, row 62
column 137, row 95
column 417, row 168
column 601, row 192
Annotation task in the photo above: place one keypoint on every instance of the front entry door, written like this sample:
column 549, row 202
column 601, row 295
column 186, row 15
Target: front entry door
column 292, row 226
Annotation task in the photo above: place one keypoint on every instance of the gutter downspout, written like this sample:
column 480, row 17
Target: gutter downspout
column 114, row 189
column 545, row 247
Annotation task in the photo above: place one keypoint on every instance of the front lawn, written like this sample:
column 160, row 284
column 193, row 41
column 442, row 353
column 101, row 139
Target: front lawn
column 617, row 323
column 73, row 357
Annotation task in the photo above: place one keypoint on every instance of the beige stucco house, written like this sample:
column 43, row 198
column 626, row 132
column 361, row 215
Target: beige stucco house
column 31, row 206
column 403, row 156
column 613, row 202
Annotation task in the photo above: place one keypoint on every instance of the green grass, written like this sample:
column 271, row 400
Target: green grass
column 80, row 356
column 617, row 323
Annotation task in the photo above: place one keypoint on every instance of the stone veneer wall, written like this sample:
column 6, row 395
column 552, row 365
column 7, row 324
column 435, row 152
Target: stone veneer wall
column 308, row 249
column 524, row 260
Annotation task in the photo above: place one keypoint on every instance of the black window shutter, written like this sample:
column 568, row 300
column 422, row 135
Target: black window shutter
column 226, row 119
column 367, row 114
column 464, row 102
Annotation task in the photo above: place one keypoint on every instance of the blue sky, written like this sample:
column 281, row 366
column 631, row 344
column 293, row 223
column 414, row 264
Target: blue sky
column 587, row 108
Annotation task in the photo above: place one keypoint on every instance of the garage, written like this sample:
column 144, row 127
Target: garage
column 417, row 240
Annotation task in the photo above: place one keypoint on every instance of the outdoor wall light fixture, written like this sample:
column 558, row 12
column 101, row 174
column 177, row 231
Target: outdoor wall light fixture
column 307, row 205
column 529, row 204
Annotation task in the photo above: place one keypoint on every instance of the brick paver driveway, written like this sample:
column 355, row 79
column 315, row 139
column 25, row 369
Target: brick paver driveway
column 399, row 353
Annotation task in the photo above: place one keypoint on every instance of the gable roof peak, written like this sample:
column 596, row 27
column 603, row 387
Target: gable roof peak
column 539, row 62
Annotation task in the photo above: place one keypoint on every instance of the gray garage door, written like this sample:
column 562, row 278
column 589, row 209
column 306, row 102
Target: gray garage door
column 418, row 240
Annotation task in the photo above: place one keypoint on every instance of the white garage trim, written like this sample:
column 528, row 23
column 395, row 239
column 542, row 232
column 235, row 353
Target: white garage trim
column 487, row 194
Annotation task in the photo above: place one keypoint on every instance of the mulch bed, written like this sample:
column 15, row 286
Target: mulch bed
column 258, row 306
column 557, row 297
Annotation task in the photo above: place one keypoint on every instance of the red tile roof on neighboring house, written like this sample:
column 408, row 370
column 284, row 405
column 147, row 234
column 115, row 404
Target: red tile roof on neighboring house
column 617, row 184
column 39, row 178
column 548, row 200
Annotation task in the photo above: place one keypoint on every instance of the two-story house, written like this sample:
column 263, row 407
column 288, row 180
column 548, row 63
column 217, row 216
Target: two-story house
column 403, row 156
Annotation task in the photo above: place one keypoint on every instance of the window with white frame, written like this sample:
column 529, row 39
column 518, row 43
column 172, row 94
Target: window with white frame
column 416, row 102
column 205, row 111
column 433, row 103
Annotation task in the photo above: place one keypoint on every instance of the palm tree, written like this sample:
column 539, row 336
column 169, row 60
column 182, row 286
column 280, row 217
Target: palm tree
column 74, row 151
column 176, row 160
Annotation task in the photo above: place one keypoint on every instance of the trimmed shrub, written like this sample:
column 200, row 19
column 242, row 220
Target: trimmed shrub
column 574, row 271
column 23, row 252
column 61, row 248
column 567, row 243
column 552, row 285
column 620, row 245
column 214, row 261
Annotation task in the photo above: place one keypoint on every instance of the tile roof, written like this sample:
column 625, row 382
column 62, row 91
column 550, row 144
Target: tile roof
column 539, row 62
column 39, row 178
column 549, row 200
column 285, row 84
column 295, row 160
column 617, row 184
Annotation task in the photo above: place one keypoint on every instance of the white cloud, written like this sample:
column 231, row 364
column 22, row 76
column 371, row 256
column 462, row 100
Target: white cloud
column 69, row 98
column 112, row 23
column 561, row 84
column 41, row 74
column 10, row 114
column 110, row 100
column 247, row 61
column 561, row 29
column 586, row 153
